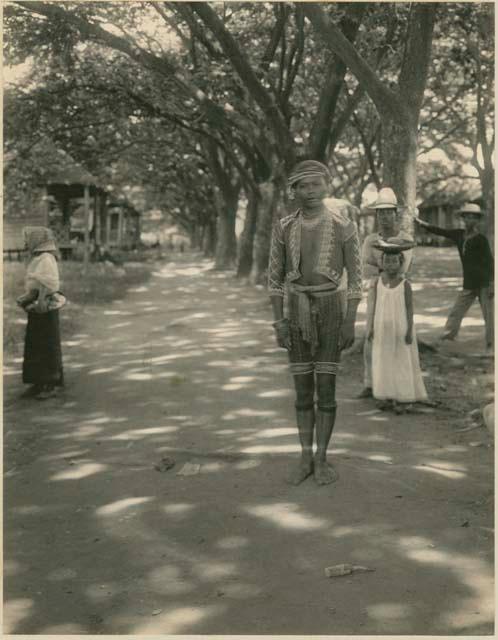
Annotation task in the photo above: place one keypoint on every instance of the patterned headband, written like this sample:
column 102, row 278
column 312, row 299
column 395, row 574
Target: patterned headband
column 309, row 173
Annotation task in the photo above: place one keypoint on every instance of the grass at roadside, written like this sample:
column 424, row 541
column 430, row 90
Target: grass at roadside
column 102, row 284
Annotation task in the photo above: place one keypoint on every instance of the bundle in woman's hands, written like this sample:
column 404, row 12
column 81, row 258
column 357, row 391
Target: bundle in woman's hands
column 30, row 302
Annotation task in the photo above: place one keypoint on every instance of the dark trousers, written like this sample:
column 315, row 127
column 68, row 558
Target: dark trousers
column 462, row 304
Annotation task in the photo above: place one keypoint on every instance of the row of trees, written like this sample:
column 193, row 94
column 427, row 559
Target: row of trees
column 203, row 104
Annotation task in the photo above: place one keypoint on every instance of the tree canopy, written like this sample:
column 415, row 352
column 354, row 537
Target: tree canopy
column 202, row 103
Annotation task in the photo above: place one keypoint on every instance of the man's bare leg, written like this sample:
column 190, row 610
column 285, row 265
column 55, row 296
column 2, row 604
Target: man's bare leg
column 305, row 414
column 324, row 472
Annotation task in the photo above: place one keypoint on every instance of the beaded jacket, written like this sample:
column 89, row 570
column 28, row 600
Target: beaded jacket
column 339, row 250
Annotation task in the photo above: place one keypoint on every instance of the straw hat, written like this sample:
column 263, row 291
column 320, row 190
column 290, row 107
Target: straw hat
column 386, row 199
column 470, row 207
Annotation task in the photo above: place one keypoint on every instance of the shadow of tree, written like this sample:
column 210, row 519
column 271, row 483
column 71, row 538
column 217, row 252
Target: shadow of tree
column 97, row 541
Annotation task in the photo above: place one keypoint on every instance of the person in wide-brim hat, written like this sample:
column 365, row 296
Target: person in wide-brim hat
column 478, row 271
column 469, row 208
column 386, row 199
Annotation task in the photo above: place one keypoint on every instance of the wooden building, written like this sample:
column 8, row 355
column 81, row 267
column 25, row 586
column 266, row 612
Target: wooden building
column 440, row 215
column 75, row 209
column 122, row 224
column 70, row 202
column 78, row 209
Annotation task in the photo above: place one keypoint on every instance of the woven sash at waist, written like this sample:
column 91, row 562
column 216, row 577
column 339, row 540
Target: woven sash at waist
column 307, row 312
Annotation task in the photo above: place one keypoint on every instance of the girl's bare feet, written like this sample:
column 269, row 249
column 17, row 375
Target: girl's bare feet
column 398, row 408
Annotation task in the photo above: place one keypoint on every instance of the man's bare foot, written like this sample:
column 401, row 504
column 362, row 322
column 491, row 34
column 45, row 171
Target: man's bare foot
column 324, row 473
column 304, row 470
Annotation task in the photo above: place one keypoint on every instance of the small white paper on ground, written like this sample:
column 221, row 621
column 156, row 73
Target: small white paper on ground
column 189, row 469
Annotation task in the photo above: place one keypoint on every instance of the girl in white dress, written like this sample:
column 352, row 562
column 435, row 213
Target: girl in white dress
column 397, row 378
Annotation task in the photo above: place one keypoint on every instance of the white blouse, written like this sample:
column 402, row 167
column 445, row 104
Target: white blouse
column 42, row 270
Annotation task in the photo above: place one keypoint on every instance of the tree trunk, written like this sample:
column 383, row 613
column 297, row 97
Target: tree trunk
column 246, row 243
column 488, row 196
column 226, row 245
column 194, row 235
column 209, row 246
column 202, row 236
column 399, row 146
column 270, row 197
column 398, row 108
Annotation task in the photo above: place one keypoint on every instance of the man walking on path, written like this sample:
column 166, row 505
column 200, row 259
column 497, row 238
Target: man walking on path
column 478, row 271
column 387, row 210
column 311, row 249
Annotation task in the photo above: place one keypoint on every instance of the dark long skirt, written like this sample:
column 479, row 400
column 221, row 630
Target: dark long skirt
column 42, row 350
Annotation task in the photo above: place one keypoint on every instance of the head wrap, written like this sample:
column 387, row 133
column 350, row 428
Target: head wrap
column 308, row 169
column 39, row 239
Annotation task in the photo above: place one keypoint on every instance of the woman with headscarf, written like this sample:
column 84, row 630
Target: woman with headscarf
column 42, row 365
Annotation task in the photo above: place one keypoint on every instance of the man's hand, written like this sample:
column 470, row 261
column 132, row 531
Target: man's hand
column 370, row 335
column 282, row 331
column 421, row 222
column 409, row 336
column 347, row 335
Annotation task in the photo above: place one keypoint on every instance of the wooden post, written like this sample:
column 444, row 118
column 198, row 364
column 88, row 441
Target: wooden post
column 103, row 223
column 440, row 216
column 107, row 227
column 86, row 253
column 97, row 217
column 440, row 222
column 120, row 227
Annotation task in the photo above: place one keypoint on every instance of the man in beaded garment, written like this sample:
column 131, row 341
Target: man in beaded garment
column 312, row 251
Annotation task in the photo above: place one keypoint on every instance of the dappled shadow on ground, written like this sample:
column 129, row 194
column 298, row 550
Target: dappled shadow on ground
column 99, row 541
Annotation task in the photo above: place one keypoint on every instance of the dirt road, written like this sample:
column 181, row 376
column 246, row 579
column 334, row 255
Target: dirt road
column 97, row 541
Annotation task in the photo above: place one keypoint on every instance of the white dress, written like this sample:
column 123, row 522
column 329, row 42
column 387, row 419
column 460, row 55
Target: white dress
column 395, row 365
